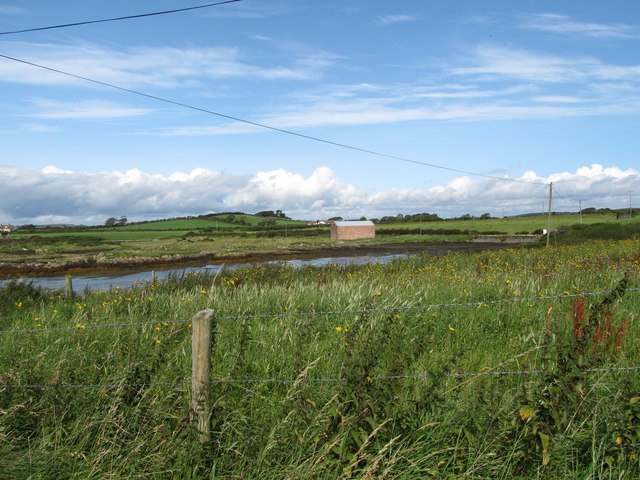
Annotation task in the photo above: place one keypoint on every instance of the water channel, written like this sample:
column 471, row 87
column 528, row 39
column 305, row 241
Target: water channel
column 125, row 280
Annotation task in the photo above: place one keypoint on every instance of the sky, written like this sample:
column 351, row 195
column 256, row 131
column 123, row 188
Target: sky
column 317, row 108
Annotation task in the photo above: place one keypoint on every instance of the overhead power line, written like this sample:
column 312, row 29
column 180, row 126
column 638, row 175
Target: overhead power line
column 116, row 19
column 265, row 126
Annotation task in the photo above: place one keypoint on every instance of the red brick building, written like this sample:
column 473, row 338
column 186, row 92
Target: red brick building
column 352, row 230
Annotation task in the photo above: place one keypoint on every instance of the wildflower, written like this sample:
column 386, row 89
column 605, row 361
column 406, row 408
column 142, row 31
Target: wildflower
column 578, row 310
column 452, row 329
column 526, row 412
column 80, row 326
column 203, row 291
column 338, row 329
column 621, row 334
column 18, row 305
column 157, row 341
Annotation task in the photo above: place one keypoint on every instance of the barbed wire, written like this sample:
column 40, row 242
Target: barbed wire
column 290, row 381
column 89, row 386
column 474, row 304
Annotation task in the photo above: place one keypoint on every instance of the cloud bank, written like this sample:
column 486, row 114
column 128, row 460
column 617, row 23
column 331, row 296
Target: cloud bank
column 52, row 195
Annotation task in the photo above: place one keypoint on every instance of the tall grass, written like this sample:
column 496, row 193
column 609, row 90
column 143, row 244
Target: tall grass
column 472, row 366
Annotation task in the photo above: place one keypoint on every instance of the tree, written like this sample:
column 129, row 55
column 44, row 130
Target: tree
column 266, row 213
column 122, row 220
column 111, row 222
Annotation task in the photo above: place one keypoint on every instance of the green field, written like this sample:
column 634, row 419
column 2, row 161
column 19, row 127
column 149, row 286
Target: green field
column 512, row 364
column 510, row 225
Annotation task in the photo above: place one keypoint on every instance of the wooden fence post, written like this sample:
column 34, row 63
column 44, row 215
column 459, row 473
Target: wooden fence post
column 201, row 341
column 69, row 286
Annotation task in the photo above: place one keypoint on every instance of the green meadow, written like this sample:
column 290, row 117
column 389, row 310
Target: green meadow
column 520, row 363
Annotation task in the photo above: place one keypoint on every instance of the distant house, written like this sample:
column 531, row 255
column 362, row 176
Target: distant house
column 6, row 229
column 348, row 230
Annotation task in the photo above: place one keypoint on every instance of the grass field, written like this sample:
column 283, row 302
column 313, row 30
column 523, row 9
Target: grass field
column 512, row 364
column 510, row 225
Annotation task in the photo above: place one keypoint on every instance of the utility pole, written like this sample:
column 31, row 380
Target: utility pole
column 549, row 215
column 580, row 203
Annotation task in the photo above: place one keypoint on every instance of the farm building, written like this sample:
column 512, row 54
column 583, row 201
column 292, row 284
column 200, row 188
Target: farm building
column 352, row 230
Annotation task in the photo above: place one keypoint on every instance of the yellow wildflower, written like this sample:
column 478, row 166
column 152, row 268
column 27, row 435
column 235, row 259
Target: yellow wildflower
column 526, row 412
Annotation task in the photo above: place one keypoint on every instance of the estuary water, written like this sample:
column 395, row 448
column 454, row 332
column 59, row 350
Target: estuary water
column 125, row 280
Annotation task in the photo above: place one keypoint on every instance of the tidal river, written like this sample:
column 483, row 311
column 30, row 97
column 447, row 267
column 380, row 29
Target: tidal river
column 125, row 280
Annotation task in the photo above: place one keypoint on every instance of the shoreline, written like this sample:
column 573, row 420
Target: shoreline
column 9, row 271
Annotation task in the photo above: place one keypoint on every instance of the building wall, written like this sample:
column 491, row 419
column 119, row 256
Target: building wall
column 352, row 232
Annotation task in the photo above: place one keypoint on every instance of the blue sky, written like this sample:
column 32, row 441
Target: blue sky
column 530, row 92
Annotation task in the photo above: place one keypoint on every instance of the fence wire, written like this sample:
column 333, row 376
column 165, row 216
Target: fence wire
column 318, row 313
column 289, row 381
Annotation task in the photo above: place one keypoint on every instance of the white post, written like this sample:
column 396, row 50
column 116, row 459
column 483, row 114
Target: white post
column 549, row 215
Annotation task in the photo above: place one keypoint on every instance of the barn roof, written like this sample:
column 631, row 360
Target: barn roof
column 359, row 223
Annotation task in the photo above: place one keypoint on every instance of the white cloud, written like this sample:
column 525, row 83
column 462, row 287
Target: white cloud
column 83, row 110
column 558, row 99
column 159, row 67
column 564, row 25
column 52, row 194
column 397, row 18
column 497, row 61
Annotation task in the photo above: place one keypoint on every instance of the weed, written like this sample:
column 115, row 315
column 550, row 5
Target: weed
column 565, row 394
